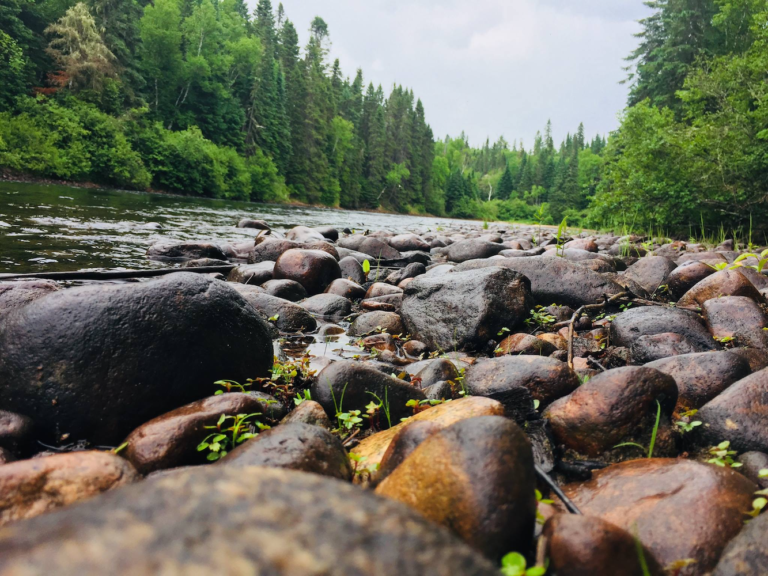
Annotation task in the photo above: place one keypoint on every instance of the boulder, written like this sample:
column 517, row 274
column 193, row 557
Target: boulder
column 270, row 249
column 686, row 276
column 652, row 347
column 407, row 439
column 701, row 377
column 308, row 412
column 437, row 370
column 328, row 232
column 747, row 553
column 758, row 359
column 98, row 376
column 524, row 344
column 473, row 249
column 253, row 274
column 290, row 317
column 613, row 407
column 20, row 293
column 352, row 270
column 475, row 477
column 313, row 269
column 678, row 509
column 407, row 242
column 302, row 234
column 346, row 289
column 628, row 326
column 466, row 310
column 295, row 446
column 286, row 289
column 722, row 283
column 29, row 488
column 738, row 318
column 650, row 272
column 372, row 321
column 378, row 250
column 232, row 520
column 256, row 224
column 328, row 307
column 15, row 431
column 177, row 251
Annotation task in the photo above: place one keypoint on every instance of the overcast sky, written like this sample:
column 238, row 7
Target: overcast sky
column 488, row 67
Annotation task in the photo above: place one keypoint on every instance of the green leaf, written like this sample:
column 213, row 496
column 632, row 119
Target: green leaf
column 763, row 473
column 366, row 267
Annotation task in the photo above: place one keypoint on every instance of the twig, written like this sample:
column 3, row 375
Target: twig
column 596, row 363
column 351, row 437
column 541, row 551
column 578, row 313
column 570, row 506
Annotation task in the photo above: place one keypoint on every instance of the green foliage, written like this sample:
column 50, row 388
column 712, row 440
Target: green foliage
column 229, row 433
column 655, row 431
column 514, row 564
column 722, row 456
column 539, row 317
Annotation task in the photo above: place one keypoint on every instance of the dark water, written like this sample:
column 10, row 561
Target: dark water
column 58, row 228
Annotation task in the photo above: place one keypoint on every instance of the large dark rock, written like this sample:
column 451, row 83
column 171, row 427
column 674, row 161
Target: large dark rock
column 686, row 276
column 554, row 279
column 378, row 250
column 650, row 347
column 738, row 318
column 372, row 321
column 290, row 317
column 313, row 269
column 722, row 283
column 475, row 477
column 348, row 385
column 301, row 447
column 465, row 310
column 253, row 274
column 701, row 377
column 18, row 294
column 351, row 269
column 97, row 361
column 408, row 242
column 270, row 249
column 177, row 251
column 739, row 414
column 747, row 553
column 232, row 520
column 329, row 307
column 15, row 431
column 473, row 249
column 650, row 320
column 286, row 289
column 650, row 272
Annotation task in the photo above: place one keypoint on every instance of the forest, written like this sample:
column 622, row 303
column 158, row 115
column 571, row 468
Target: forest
column 204, row 97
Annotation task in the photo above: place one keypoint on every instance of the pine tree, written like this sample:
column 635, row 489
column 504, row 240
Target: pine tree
column 506, row 187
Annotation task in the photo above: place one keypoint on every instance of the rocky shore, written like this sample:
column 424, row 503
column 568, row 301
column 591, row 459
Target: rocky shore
column 462, row 401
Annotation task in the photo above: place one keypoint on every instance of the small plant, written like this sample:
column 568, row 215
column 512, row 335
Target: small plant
column 541, row 500
column 686, row 424
column 540, row 318
column 723, row 339
column 366, row 268
column 124, row 445
column 583, row 379
column 226, row 438
column 722, row 456
column 763, row 473
column 757, row 506
column 302, row 397
column 362, row 471
column 485, row 225
column 538, row 218
column 383, row 405
column 625, row 307
column 503, row 332
column 653, row 434
column 230, row 385
column 349, row 420
column 274, row 318
column 514, row 564
column 459, row 381
column 421, row 405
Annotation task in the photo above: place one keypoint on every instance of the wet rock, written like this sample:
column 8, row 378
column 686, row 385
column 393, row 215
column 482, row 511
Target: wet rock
column 555, row 340
column 20, row 293
column 691, row 256
column 415, row 348
column 439, row 269
column 372, row 321
column 378, row 250
column 524, row 344
column 97, row 376
column 328, row 307
column 472, row 249
column 391, row 303
column 612, row 407
column 356, row 381
column 403, row 444
column 656, row 346
column 254, row 274
column 231, row 520
column 29, row 488
column 409, row 272
column 476, row 478
column 378, row 289
column 6, row 456
column 323, row 246
column 758, row 359
column 177, row 251
column 587, row 244
column 407, row 242
column 313, row 269
column 701, row 377
column 598, row 265
column 437, row 370
column 256, row 224
column 546, row 379
column 747, row 553
column 286, row 289
column 290, row 317
column 442, row 390
column 739, row 415
column 588, row 546
column 752, row 464
column 303, row 234
column 328, row 232
column 352, row 242
column 296, row 446
column 204, row 262
column 171, row 440
column 346, row 289
column 270, row 249
column 465, row 310
column 678, row 509
column 722, row 283
column 647, row 321
column 308, row 412
column 651, row 272
column 380, row 342
column 686, row 276
column 352, row 270
column 738, row 318
column 15, row 431
column 555, row 279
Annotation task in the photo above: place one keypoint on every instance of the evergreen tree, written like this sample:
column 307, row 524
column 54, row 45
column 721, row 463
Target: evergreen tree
column 506, row 187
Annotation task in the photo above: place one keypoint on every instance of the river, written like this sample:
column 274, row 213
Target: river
column 55, row 228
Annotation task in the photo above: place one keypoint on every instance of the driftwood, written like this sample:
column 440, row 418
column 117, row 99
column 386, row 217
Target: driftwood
column 116, row 274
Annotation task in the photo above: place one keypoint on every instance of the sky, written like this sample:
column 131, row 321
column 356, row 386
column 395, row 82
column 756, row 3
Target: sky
column 488, row 67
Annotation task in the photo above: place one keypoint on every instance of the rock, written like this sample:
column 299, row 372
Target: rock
column 29, row 488
column 651, row 272
column 461, row 311
column 253, row 274
column 442, row 390
column 758, row 359
column 701, row 377
column 557, row 341
column 372, row 321
column 270, row 249
column 231, row 520
column 171, row 440
column 613, row 407
column 378, row 250
column 475, row 477
column 380, row 342
column 739, row 415
column 328, row 232
column 176, row 251
column 747, row 553
column 415, row 348
column 290, row 317
column 407, row 242
column 738, row 318
column 713, row 257
column 346, row 289
column 586, row 545
column 352, row 270
column 403, row 444
column 678, row 509
column 378, row 289
column 356, row 382
column 647, row 321
column 286, row 289
column 257, row 224
column 437, row 370
column 302, row 234
column 555, row 279
column 587, row 244
column 409, row 272
column 546, row 379
column 328, row 307
column 15, row 431
column 525, row 344
column 652, row 347
column 308, row 412
column 686, row 276
column 98, row 376
column 296, row 446
column 752, row 464
column 6, row 456
column 20, row 293
column 323, row 246
column 472, row 249
column 313, row 269
column 722, row 283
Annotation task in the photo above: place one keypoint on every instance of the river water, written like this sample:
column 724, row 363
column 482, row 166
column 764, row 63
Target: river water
column 55, row 228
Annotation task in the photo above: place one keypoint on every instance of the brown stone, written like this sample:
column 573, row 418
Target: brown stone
column 415, row 348
column 437, row 370
column 556, row 340
column 738, row 318
column 285, row 289
column 313, row 269
column 650, row 272
column 722, row 283
column 380, row 289
column 403, row 444
column 679, row 509
column 252, row 274
column 345, row 288
column 372, row 321
column 612, row 407
column 308, row 412
column 270, row 249
column 752, row 464
column 379, row 342
column 758, row 359
column 476, row 478
column 686, row 276
column 524, row 344
column 657, row 346
column 747, row 553
column 32, row 487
